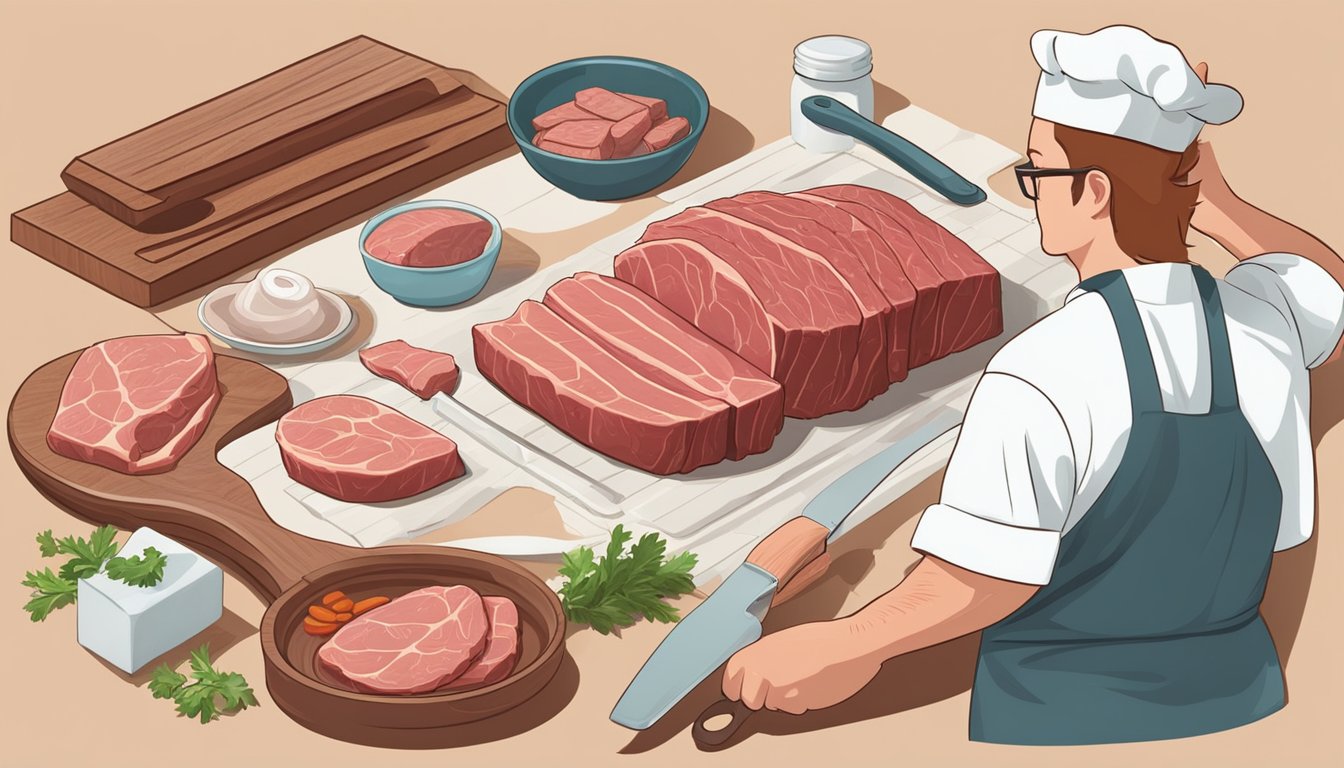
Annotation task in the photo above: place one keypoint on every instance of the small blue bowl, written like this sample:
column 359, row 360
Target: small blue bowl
column 608, row 179
column 432, row 286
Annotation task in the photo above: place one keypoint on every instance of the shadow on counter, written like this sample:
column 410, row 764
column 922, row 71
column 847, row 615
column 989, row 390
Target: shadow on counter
column 230, row 630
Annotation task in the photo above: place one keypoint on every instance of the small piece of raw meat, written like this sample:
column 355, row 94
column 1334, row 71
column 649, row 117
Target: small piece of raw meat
column 657, row 107
column 422, row 371
column 414, row 644
column 607, row 104
column 627, row 134
column 496, row 662
column 429, row 237
column 358, row 450
column 667, row 133
column 136, row 404
column 592, row 137
column 561, row 114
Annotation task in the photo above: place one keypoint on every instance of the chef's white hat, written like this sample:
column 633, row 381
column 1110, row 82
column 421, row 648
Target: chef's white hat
column 1121, row 82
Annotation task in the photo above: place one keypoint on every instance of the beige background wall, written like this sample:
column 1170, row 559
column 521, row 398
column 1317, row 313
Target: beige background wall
column 76, row 75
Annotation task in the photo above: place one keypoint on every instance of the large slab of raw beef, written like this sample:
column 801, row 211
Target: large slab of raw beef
column 657, row 343
column 833, row 293
column 359, row 450
column 413, row 644
column 971, row 301
column 543, row 362
column 136, row 404
column 496, row 662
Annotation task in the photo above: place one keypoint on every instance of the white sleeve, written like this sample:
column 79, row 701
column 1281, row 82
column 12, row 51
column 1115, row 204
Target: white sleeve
column 1304, row 293
column 1008, row 487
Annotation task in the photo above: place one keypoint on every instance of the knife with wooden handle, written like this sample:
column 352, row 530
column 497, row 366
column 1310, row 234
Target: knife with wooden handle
column 779, row 567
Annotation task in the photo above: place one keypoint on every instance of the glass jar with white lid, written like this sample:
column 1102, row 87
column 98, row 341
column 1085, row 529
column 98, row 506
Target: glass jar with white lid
column 836, row 66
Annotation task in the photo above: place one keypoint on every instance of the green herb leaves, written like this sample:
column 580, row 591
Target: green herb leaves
column 210, row 693
column 50, row 592
column 614, row 591
column 142, row 570
column 57, row 590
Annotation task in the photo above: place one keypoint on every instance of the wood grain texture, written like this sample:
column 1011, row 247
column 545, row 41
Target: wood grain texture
column 332, row 95
column 199, row 503
column 790, row 548
column 333, row 162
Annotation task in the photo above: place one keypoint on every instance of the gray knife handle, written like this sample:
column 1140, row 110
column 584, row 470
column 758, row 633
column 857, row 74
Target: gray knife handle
column 829, row 113
column 717, row 739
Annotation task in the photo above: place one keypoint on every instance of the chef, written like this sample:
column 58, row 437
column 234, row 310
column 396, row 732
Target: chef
column 1128, row 464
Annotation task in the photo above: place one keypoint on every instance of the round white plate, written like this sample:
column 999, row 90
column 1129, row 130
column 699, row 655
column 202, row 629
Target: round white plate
column 215, row 320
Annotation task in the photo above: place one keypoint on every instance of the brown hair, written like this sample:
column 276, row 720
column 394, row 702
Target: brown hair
column 1151, row 199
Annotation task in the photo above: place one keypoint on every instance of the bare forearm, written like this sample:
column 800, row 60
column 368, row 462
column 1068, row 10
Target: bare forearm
column 937, row 602
column 1246, row 231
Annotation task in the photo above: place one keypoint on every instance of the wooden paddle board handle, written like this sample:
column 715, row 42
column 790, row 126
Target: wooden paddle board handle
column 788, row 550
column 200, row 503
column 711, row 739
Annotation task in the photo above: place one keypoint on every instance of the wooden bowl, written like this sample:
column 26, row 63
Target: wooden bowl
column 321, row 702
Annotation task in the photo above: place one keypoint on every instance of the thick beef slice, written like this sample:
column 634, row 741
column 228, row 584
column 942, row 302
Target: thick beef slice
column 422, row 371
column 812, row 307
column 497, row 661
column 136, row 404
column 589, row 139
column 972, row 302
column 884, row 265
column 561, row 114
column 606, row 104
column 544, row 363
column 429, row 237
column 627, row 134
column 794, row 221
column 706, row 291
column 931, row 290
column 413, row 644
column 359, row 450
column 655, row 342
column 665, row 134
column 657, row 107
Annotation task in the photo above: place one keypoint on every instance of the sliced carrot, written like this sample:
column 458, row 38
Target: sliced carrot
column 369, row 603
column 315, row 627
column 321, row 614
column 344, row 617
column 333, row 597
column 342, row 606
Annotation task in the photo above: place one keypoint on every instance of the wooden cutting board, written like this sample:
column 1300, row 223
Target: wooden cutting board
column 210, row 190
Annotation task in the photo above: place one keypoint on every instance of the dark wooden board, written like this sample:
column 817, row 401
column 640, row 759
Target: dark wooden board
column 329, row 96
column 266, row 207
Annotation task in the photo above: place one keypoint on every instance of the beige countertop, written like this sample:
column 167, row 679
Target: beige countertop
column 77, row 75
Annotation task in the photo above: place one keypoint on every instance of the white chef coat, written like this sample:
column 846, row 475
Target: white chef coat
column 1048, row 423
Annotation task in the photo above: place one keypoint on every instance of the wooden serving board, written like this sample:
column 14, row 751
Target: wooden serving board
column 210, row 190
column 199, row 503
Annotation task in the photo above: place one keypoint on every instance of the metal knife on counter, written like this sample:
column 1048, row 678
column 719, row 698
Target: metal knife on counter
column 730, row 618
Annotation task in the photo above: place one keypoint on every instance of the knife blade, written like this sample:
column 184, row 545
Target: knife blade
column 730, row 618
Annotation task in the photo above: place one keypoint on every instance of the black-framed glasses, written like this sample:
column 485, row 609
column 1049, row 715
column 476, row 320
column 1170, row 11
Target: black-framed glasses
column 1027, row 174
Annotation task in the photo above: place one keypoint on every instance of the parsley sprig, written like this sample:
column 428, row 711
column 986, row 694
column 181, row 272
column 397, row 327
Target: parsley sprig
column 52, row 591
column 207, row 691
column 615, row 590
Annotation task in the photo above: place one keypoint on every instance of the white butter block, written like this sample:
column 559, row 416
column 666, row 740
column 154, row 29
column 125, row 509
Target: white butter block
column 128, row 626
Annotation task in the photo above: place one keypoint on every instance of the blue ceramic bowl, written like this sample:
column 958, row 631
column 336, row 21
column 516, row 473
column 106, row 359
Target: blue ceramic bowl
column 432, row 286
column 608, row 179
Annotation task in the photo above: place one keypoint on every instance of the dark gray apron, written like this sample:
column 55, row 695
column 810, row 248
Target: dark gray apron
column 1150, row 626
